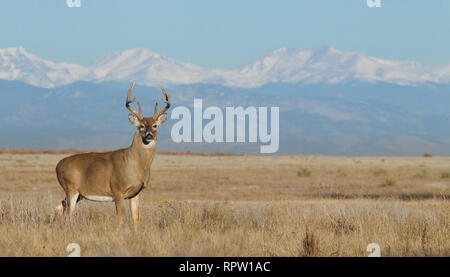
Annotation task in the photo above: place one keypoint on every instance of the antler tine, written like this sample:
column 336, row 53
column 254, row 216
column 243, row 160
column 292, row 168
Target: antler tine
column 140, row 109
column 128, row 102
column 166, row 100
column 130, row 91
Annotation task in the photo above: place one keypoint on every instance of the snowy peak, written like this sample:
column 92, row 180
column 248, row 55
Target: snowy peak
column 13, row 52
column 18, row 64
column 147, row 67
column 129, row 57
column 119, row 65
column 331, row 65
column 17, row 57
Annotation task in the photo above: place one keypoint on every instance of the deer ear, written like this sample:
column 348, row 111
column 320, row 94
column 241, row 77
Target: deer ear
column 133, row 120
column 161, row 119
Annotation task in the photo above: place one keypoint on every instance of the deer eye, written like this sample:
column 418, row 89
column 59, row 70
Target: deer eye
column 154, row 126
column 142, row 127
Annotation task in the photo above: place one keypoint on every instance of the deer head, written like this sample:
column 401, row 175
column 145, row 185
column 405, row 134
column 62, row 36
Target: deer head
column 147, row 126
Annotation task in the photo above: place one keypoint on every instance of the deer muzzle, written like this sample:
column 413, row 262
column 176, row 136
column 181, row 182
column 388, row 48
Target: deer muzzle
column 148, row 138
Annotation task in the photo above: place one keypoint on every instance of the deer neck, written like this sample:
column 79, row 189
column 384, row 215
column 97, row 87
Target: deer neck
column 140, row 153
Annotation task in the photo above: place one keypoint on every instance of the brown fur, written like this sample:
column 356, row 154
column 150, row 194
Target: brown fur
column 119, row 174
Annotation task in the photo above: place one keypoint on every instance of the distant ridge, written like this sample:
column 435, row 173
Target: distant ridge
column 325, row 65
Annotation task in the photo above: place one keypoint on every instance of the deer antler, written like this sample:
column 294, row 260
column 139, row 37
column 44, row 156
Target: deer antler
column 167, row 101
column 127, row 104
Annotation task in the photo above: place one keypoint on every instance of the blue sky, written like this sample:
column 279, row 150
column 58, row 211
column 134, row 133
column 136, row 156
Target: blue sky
column 227, row 33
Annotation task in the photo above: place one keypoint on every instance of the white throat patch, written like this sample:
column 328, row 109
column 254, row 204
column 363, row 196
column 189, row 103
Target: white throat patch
column 150, row 145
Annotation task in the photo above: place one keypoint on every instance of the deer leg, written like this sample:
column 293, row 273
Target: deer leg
column 120, row 211
column 71, row 202
column 134, row 208
column 61, row 208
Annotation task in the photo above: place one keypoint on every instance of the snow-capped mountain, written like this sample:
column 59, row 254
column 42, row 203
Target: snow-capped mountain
column 148, row 68
column 19, row 65
column 332, row 66
column 326, row 64
column 142, row 65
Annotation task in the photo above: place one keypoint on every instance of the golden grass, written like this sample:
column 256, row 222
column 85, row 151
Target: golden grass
column 238, row 206
column 77, row 151
column 41, row 151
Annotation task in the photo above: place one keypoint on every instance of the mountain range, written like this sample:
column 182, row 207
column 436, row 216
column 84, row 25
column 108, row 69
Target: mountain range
column 284, row 65
column 331, row 102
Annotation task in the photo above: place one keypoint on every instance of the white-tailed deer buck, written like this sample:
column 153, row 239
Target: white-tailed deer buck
column 116, row 175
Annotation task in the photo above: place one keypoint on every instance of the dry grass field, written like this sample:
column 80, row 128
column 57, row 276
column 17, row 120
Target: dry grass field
column 232, row 205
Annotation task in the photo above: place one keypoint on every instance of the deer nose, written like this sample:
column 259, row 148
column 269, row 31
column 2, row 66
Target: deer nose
column 149, row 135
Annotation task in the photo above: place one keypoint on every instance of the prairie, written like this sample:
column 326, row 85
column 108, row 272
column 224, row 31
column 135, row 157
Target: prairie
column 238, row 205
